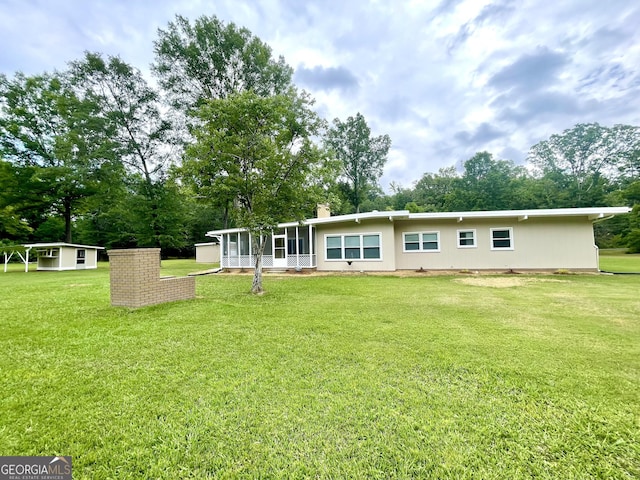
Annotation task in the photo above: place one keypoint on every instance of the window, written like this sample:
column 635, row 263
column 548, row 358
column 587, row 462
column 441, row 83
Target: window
column 334, row 248
column 80, row 257
column 353, row 247
column 501, row 239
column 422, row 242
column 371, row 246
column 466, row 238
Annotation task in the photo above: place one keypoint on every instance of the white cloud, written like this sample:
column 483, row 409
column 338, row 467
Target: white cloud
column 443, row 80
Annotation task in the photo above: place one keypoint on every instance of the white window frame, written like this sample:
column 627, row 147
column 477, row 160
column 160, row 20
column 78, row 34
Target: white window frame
column 511, row 242
column 362, row 247
column 420, row 242
column 475, row 237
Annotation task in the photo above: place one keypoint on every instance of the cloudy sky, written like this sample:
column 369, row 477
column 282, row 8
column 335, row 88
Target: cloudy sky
column 444, row 78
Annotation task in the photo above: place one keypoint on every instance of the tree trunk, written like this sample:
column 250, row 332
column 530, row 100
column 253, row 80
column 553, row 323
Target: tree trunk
column 67, row 219
column 258, row 249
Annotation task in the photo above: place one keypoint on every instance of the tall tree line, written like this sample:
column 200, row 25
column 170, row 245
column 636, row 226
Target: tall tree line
column 96, row 154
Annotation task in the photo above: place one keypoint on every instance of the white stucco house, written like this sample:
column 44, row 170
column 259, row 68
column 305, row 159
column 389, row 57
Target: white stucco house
column 537, row 240
column 60, row 256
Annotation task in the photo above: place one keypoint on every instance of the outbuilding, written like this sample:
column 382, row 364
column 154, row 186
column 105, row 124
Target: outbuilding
column 65, row 256
column 208, row 252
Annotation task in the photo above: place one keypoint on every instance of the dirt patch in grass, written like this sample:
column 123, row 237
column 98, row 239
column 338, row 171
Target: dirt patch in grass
column 504, row 282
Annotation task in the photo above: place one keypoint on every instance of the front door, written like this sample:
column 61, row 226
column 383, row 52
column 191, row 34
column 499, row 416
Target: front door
column 280, row 251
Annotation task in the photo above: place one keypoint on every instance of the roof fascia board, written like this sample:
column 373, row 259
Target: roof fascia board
column 598, row 213
column 61, row 244
column 589, row 212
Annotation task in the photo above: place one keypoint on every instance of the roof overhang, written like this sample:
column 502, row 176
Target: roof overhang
column 351, row 218
column 61, row 244
column 592, row 213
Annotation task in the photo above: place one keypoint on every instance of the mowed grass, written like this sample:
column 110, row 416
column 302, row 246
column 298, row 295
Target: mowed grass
column 616, row 260
column 326, row 377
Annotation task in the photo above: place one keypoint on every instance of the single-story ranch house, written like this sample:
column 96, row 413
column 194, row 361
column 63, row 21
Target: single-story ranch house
column 65, row 256
column 550, row 239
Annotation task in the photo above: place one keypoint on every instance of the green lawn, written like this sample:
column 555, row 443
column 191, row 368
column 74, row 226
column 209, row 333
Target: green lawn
column 615, row 260
column 326, row 377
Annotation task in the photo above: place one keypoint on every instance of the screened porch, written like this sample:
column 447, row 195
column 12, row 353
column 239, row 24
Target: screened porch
column 287, row 247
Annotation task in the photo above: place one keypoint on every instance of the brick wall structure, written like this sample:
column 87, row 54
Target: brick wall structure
column 135, row 279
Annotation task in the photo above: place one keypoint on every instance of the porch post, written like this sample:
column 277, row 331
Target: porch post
column 311, row 247
column 224, row 258
column 297, row 249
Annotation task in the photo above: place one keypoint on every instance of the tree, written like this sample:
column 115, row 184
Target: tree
column 12, row 224
column 141, row 139
column 62, row 137
column 211, row 59
column 208, row 60
column 362, row 156
column 584, row 159
column 487, row 184
column 435, row 191
column 140, row 133
column 258, row 151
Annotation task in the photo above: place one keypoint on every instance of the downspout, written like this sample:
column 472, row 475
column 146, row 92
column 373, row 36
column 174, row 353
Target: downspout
column 219, row 238
column 596, row 246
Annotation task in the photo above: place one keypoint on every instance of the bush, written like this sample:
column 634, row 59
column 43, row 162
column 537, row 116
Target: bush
column 633, row 241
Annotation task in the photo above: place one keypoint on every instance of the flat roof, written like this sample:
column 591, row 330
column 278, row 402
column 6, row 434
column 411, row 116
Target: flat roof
column 61, row 244
column 592, row 213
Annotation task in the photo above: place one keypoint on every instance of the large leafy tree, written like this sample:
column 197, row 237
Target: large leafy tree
column 435, row 192
column 57, row 135
column 362, row 156
column 210, row 59
column 141, row 138
column 13, row 203
column 140, row 132
column 581, row 161
column 488, row 184
column 259, row 152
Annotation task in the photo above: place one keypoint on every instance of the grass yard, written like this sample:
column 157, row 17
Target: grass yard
column 616, row 260
column 326, row 377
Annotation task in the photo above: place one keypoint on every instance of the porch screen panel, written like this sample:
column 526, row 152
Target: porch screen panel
column 244, row 244
column 303, row 241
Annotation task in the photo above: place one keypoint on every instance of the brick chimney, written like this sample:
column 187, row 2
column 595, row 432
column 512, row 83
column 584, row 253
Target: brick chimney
column 323, row 210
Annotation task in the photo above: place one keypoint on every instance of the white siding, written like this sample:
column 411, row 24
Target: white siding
column 538, row 244
column 382, row 227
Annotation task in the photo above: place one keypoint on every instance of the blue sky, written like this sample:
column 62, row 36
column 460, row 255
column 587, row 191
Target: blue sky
column 444, row 79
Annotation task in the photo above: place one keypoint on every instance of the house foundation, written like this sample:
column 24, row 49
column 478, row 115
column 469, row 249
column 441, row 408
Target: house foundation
column 136, row 282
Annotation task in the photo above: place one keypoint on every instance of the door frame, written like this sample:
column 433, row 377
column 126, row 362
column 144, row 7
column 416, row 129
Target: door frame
column 279, row 262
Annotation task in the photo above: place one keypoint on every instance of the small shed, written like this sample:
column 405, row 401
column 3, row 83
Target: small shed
column 65, row 256
column 208, row 252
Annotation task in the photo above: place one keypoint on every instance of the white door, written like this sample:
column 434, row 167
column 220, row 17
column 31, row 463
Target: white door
column 280, row 251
